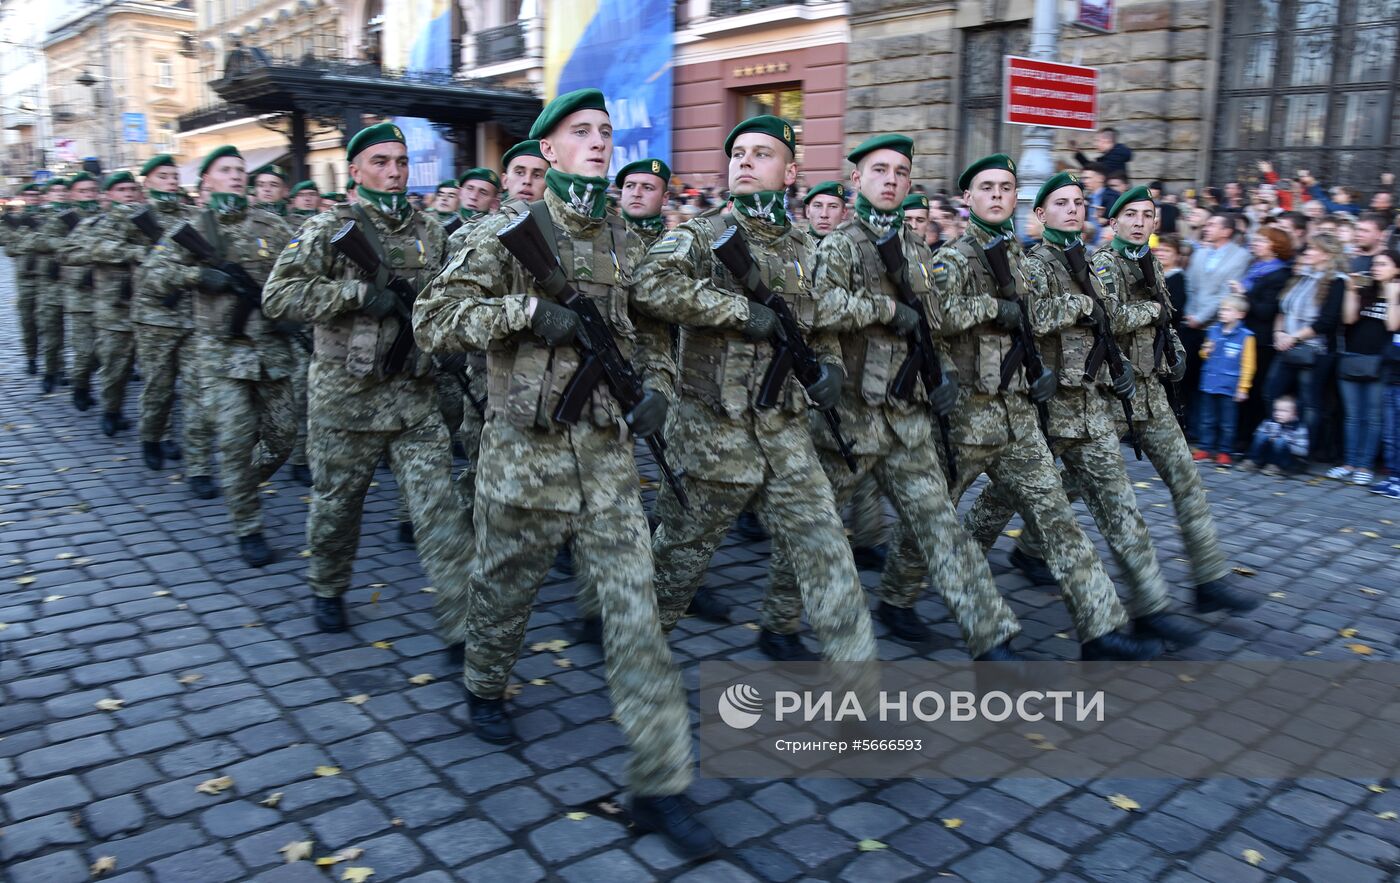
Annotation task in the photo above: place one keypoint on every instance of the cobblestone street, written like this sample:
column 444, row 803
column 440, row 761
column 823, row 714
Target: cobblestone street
column 142, row 659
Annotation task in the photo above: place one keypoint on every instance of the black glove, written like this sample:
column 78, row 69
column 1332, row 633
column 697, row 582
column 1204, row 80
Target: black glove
column 1095, row 317
column 1176, row 371
column 557, row 324
column 1008, row 314
column 944, row 396
column 825, row 391
column 379, row 302
column 214, row 281
column 905, row 319
column 1043, row 387
column 1124, row 385
column 284, row 326
column 649, row 415
column 453, row 363
column 761, row 322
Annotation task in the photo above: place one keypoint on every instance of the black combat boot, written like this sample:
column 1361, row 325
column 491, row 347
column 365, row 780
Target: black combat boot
column 82, row 399
column 171, row 450
column 564, row 560
column 1118, row 647
column 153, row 455
column 31, row 366
column 870, row 557
column 903, row 622
column 591, row 630
column 1001, row 653
column 255, row 550
column 1220, row 595
column 1168, row 628
column 1005, row 671
column 705, row 605
column 748, row 526
column 784, row 648
column 490, row 721
column 672, row 817
column 1032, row 568
column 406, row 533
column 111, row 423
column 457, row 654
column 49, row 383
column 301, row 474
column 330, row 614
column 202, row 486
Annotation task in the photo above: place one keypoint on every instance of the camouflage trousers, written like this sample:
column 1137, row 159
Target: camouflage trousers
column 914, row 481
column 27, row 307
column 515, row 551
column 51, row 325
column 82, row 340
column 167, row 354
column 255, row 431
column 301, row 361
column 117, row 351
column 472, row 424
column 1095, row 466
column 449, row 397
column 1026, row 470
column 866, row 512
column 343, row 462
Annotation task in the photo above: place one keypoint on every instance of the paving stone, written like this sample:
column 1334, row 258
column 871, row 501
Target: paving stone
column 115, row 815
column 613, row 865
column 74, row 755
column 564, row 839
column 237, row 819
column 426, row 806
column 23, row 839
column 155, row 843
column 813, row 844
column 341, row 827
column 121, row 778
column 212, row 864
column 510, row 867
column 44, row 797
column 995, row 866
column 391, row 855
column 58, row 867
column 517, row 808
column 866, row 821
column 463, row 841
column 881, row 866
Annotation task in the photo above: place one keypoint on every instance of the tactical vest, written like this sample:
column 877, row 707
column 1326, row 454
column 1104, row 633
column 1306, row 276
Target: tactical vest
column 525, row 378
column 1066, row 351
column 213, row 313
column 874, row 355
column 358, row 340
column 1139, row 349
column 722, row 368
column 978, row 352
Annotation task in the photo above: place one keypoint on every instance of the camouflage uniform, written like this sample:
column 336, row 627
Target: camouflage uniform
column 1135, row 311
column 167, row 351
column 542, row 483
column 115, row 247
column 472, row 420
column 997, row 433
column 79, row 279
column 893, row 439
column 247, row 380
column 16, row 245
column 734, row 453
column 355, row 416
column 1082, row 433
column 60, row 293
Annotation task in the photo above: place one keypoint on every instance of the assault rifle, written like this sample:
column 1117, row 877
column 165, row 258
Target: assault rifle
column 245, row 288
column 1024, row 354
column 1105, row 348
column 352, row 242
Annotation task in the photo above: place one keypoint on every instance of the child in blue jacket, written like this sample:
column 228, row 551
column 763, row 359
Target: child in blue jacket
column 1227, row 372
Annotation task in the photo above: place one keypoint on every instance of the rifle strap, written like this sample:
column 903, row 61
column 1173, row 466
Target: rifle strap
column 539, row 209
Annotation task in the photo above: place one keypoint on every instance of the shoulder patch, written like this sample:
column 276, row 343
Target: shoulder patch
column 294, row 243
column 666, row 244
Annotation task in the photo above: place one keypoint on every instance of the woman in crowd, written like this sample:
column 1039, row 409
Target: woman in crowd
column 1262, row 284
column 1370, row 315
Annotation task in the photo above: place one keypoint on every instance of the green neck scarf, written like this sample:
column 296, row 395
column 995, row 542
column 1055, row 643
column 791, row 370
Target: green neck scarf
column 228, row 203
column 465, row 214
column 880, row 220
column 161, row 196
column 390, row 204
column 86, row 205
column 1062, row 238
column 994, row 229
column 1127, row 249
column 444, row 216
column 277, row 208
column 304, row 212
column 765, row 206
column 652, row 225
column 584, row 194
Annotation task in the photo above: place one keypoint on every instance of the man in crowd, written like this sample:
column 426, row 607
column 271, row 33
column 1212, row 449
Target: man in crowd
column 1216, row 261
column 1113, row 157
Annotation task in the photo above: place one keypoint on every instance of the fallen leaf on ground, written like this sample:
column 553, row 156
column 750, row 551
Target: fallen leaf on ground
column 1389, row 815
column 576, row 816
column 160, row 593
column 327, row 770
column 1347, row 633
column 357, row 875
column 359, row 699
column 104, row 865
column 374, row 599
column 49, row 599
column 1360, row 649
column 379, row 585
column 1123, row 802
column 109, row 704
column 1141, row 484
column 24, row 580
column 296, row 851
column 1186, row 679
column 539, row 682
column 952, row 823
column 3, row 626
column 1370, row 534
column 752, row 626
column 215, row 786
column 512, row 690
column 429, row 589
column 1367, row 590
column 1278, row 595
column 422, row 679
column 304, row 553
column 64, row 556
column 348, row 854
column 272, row 799
column 869, row 845
column 190, row 678
column 564, row 662
column 1253, row 856
column 397, row 823
column 558, row 645
column 1013, row 533
column 382, row 645
column 1245, row 571
column 1376, row 789
column 609, row 807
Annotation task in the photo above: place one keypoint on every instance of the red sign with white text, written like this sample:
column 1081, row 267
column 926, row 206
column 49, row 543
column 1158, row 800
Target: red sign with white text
column 1047, row 93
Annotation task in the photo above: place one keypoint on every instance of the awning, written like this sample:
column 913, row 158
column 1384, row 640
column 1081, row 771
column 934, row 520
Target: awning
column 259, row 156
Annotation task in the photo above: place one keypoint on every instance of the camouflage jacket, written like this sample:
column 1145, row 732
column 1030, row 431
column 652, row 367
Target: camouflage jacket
column 967, row 294
column 70, row 250
column 855, row 297
column 1078, row 409
column 717, row 432
column 16, row 241
column 1136, row 312
column 115, row 249
column 315, row 284
column 252, row 239
column 147, row 304
column 479, row 302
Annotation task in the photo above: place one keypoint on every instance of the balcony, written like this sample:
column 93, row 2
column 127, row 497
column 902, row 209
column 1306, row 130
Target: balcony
column 719, row 8
column 211, row 115
column 496, row 45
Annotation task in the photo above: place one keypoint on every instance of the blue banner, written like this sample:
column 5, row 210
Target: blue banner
column 134, row 128
column 626, row 50
column 418, row 37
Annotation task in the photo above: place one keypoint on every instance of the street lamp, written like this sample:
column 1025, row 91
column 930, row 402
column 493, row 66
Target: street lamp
column 86, row 79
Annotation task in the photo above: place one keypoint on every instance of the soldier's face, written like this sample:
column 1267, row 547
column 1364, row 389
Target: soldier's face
column 125, row 194
column 760, row 162
column 824, row 213
column 581, row 144
column 525, row 178
column 57, row 195
column 477, row 195
column 306, row 200
column 1135, row 222
column 382, row 167
column 269, row 188
column 446, row 200
column 227, row 175
column 165, row 179
column 1063, row 209
column 83, row 191
column 917, row 221
column 31, row 198
column 642, row 195
column 992, row 195
column 883, row 178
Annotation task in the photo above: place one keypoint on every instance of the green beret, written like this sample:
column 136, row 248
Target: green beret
column 570, row 102
column 1136, row 194
column 898, row 143
column 30, row 188
column 776, row 127
column 334, row 197
column 995, row 161
column 826, row 188
column 55, row 182
column 915, row 202
column 480, row 174
column 155, row 162
column 122, row 177
column 524, row 148
column 449, row 184
column 1063, row 179
column 216, row 154
column 645, row 167
column 270, row 169
column 304, row 185
column 380, row 133
column 79, row 178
